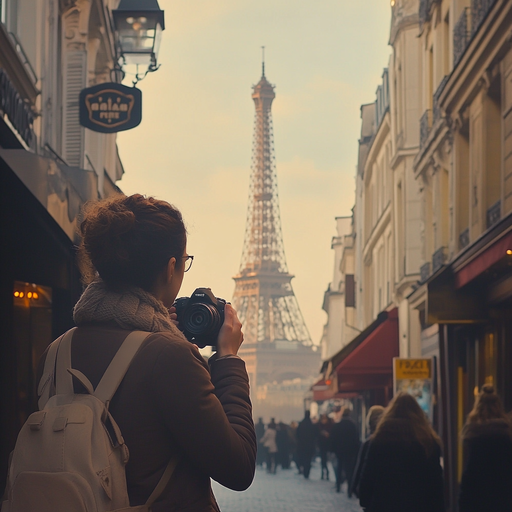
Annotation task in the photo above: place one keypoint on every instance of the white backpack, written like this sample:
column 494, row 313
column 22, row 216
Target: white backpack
column 65, row 459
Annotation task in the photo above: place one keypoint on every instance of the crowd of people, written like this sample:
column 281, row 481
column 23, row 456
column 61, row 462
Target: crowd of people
column 399, row 466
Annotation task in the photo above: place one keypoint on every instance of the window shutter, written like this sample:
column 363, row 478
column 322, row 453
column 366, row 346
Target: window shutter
column 350, row 291
column 73, row 133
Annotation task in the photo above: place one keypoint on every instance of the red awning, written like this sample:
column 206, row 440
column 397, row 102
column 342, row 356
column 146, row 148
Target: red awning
column 484, row 260
column 370, row 364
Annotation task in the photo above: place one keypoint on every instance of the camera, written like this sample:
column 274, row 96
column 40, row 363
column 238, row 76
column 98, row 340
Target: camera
column 200, row 316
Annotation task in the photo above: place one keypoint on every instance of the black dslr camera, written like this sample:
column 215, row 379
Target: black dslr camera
column 200, row 316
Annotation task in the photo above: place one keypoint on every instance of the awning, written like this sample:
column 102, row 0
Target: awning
column 369, row 364
column 484, row 260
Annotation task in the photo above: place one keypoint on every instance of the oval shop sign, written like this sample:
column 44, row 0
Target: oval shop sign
column 110, row 107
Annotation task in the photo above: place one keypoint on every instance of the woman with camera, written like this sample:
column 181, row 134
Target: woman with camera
column 171, row 404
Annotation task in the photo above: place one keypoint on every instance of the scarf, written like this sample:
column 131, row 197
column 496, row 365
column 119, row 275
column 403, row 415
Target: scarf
column 132, row 309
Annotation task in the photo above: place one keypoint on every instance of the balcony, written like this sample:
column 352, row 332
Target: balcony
column 479, row 11
column 464, row 239
column 425, row 126
column 438, row 259
column 493, row 214
column 425, row 272
column 461, row 36
column 436, row 111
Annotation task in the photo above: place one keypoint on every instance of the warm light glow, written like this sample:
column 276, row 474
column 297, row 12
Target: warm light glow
column 29, row 295
column 509, row 252
column 16, row 294
column 392, row 3
column 35, row 295
column 130, row 20
column 328, row 382
column 21, row 295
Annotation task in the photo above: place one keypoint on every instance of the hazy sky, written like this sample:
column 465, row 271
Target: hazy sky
column 193, row 147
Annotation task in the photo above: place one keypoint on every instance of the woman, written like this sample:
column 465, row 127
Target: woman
column 402, row 471
column 486, row 484
column 372, row 419
column 269, row 442
column 170, row 404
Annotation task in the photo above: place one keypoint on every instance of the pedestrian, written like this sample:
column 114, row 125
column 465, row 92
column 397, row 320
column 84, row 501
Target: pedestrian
column 306, row 440
column 372, row 419
column 345, row 445
column 292, row 433
column 283, row 445
column 261, row 455
column 269, row 442
column 171, row 403
column 486, row 484
column 324, row 427
column 402, row 471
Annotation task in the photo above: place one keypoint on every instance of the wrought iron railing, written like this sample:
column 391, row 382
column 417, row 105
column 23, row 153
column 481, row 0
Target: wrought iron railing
column 464, row 239
column 425, row 125
column 436, row 111
column 479, row 11
column 23, row 57
column 494, row 214
column 461, row 35
column 425, row 272
column 438, row 258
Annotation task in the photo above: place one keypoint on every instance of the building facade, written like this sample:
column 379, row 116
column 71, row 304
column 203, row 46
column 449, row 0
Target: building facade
column 446, row 142
column 49, row 166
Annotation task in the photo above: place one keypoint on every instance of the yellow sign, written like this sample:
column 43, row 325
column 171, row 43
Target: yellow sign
column 413, row 368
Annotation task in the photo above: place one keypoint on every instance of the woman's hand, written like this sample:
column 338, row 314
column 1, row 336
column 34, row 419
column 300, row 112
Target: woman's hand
column 174, row 316
column 230, row 335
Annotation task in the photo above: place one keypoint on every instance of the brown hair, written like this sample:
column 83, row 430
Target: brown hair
column 128, row 240
column 404, row 419
column 487, row 407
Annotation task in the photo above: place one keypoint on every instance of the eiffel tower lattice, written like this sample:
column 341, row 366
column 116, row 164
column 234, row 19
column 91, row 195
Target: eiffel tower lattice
column 263, row 293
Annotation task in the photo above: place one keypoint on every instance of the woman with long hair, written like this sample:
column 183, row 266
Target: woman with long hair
column 171, row 404
column 486, row 484
column 402, row 470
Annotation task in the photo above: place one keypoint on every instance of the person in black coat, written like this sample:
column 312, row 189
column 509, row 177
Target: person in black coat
column 261, row 455
column 486, row 484
column 372, row 419
column 324, row 427
column 402, row 471
column 345, row 445
column 306, row 437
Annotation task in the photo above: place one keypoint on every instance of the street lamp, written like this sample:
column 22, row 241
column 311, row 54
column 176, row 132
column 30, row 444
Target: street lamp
column 139, row 25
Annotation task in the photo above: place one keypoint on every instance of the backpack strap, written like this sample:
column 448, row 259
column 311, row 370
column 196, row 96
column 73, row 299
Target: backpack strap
column 46, row 386
column 119, row 365
column 63, row 379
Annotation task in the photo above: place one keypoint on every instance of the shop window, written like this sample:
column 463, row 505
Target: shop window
column 32, row 323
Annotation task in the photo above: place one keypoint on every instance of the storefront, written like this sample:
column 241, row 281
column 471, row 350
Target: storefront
column 362, row 371
column 471, row 300
column 39, row 281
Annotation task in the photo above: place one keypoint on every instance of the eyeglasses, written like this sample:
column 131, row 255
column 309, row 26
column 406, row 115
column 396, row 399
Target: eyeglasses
column 188, row 262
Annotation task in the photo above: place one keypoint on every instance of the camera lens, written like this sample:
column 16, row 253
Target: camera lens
column 201, row 319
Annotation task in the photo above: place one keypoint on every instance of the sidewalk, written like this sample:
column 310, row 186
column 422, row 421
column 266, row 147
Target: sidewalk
column 287, row 492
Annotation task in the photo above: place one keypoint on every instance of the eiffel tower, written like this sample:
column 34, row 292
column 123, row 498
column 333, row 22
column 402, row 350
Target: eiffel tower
column 277, row 344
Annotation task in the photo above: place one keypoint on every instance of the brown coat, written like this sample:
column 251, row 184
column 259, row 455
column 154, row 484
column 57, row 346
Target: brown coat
column 169, row 404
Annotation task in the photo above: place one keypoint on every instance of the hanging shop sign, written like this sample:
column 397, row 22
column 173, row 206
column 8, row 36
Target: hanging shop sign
column 110, row 107
column 414, row 376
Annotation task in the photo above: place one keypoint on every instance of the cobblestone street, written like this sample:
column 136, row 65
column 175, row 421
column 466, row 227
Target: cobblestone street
column 287, row 492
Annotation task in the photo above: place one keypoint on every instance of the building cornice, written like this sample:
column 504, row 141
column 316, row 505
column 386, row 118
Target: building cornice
column 376, row 144
column 378, row 229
